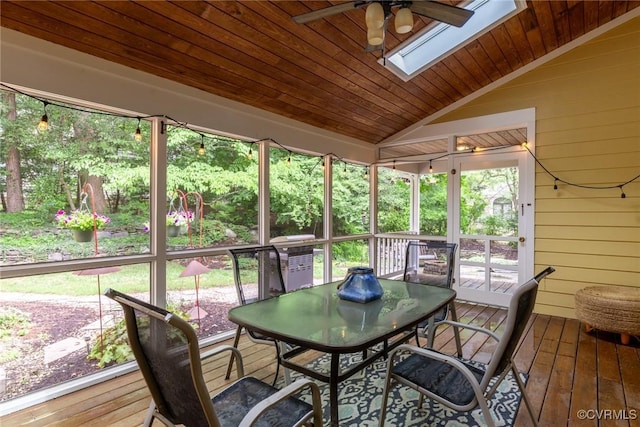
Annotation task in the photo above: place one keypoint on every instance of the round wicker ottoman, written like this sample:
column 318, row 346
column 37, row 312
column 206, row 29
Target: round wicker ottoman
column 610, row 308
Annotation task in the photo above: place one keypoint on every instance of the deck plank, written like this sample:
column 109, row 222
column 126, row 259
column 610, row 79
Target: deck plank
column 630, row 373
column 585, row 387
column 610, row 390
column 561, row 382
column 569, row 369
column 540, row 373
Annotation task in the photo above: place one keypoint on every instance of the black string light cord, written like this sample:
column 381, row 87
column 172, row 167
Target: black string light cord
column 556, row 179
column 185, row 125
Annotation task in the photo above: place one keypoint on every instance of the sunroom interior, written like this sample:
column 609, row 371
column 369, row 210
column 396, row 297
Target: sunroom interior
column 564, row 126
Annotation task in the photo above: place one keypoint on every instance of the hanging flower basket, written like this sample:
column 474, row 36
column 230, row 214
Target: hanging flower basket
column 82, row 235
column 81, row 222
column 173, row 230
column 177, row 222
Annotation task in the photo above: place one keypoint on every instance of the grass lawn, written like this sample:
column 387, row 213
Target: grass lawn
column 130, row 279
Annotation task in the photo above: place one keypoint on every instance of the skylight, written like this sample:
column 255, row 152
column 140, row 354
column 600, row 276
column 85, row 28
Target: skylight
column 427, row 47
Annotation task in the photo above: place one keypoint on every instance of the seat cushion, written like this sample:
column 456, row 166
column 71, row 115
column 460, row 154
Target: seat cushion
column 233, row 403
column 439, row 378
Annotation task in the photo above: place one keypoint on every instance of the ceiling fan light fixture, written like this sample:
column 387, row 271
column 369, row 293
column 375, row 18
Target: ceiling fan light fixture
column 374, row 16
column 403, row 21
column 375, row 36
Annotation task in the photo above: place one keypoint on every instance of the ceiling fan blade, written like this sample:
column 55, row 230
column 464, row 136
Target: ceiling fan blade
column 446, row 13
column 327, row 11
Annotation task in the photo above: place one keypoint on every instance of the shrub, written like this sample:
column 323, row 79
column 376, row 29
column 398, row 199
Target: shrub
column 114, row 347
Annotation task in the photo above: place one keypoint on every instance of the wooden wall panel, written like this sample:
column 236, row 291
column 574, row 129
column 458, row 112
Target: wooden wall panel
column 588, row 132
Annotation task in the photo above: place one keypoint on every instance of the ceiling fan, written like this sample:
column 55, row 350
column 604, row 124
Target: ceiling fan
column 378, row 13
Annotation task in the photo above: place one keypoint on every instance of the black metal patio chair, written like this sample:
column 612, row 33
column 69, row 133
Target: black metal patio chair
column 168, row 354
column 453, row 381
column 257, row 275
column 430, row 262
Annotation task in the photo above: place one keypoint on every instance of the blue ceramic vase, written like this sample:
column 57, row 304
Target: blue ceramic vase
column 360, row 285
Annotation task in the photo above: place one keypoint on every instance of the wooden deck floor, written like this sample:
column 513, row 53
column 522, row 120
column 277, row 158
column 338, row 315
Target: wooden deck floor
column 569, row 371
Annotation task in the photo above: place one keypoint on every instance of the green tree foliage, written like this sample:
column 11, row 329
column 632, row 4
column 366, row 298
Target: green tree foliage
column 350, row 202
column 297, row 193
column 394, row 194
column 433, row 204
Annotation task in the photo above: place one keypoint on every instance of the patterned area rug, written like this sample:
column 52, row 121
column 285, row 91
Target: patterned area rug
column 361, row 397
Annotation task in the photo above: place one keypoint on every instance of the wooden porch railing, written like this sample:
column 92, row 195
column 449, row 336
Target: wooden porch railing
column 391, row 251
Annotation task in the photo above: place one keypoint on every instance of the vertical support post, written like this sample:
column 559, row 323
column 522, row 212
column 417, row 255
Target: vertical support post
column 158, row 213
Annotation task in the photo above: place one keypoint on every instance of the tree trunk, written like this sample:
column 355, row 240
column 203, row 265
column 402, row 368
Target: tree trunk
column 95, row 201
column 15, row 200
column 99, row 201
column 65, row 188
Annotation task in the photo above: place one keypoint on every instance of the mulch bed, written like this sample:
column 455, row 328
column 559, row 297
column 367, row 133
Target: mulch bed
column 54, row 321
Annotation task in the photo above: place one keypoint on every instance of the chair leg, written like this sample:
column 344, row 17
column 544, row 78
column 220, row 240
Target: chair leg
column 148, row 419
column 431, row 332
column 236, row 340
column 485, row 412
column 385, row 394
column 152, row 414
column 524, row 394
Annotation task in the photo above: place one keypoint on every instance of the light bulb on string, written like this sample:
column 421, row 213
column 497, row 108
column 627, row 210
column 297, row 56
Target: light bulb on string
column 201, row 149
column 44, row 121
column 555, row 183
column 366, row 172
column 138, row 135
column 250, row 154
column 622, row 195
column 289, row 159
column 430, row 167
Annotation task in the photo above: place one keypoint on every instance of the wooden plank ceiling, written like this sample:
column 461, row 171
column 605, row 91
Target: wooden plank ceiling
column 317, row 73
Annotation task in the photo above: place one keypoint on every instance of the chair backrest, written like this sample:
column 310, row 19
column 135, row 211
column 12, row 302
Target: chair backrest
column 430, row 262
column 257, row 273
column 520, row 309
column 167, row 351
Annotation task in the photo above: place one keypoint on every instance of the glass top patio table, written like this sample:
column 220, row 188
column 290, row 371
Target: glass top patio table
column 315, row 318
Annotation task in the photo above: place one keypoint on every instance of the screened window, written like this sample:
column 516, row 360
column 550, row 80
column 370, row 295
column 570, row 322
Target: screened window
column 77, row 188
column 350, row 203
column 394, row 201
column 296, row 187
column 212, row 190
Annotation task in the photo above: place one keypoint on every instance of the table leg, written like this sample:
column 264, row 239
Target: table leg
column 431, row 333
column 333, row 389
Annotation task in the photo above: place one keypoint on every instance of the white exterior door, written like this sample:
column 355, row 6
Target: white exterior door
column 492, row 223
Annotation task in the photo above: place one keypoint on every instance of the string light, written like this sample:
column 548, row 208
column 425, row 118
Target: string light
column 44, row 125
column 201, row 149
column 366, row 171
column 44, row 121
column 138, row 135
